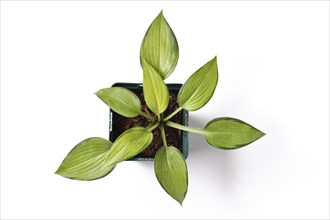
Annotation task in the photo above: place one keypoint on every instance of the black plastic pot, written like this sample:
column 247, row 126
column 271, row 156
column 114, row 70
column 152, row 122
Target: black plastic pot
column 138, row 87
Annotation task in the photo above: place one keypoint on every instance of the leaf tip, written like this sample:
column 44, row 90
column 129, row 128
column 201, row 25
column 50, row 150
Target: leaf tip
column 215, row 61
column 180, row 200
column 97, row 93
column 58, row 171
column 262, row 134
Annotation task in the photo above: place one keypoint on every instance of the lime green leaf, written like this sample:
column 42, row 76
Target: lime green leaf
column 154, row 89
column 160, row 47
column 129, row 144
column 199, row 88
column 121, row 100
column 86, row 160
column 171, row 172
column 230, row 133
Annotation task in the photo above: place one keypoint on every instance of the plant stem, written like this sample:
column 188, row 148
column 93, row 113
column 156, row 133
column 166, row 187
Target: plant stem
column 162, row 131
column 152, row 126
column 146, row 115
column 184, row 128
column 172, row 114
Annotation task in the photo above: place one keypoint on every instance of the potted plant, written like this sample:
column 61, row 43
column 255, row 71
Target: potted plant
column 151, row 113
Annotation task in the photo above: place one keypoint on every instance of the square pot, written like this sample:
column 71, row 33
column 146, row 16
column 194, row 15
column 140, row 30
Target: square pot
column 119, row 124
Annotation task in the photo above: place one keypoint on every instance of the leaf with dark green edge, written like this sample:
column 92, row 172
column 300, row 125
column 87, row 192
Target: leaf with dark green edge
column 86, row 160
column 121, row 100
column 171, row 172
column 160, row 47
column 200, row 86
column 230, row 133
column 129, row 144
column 155, row 90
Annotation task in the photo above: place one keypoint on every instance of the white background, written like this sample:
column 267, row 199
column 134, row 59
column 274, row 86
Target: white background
column 273, row 73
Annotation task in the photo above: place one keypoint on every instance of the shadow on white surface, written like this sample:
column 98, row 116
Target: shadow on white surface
column 218, row 166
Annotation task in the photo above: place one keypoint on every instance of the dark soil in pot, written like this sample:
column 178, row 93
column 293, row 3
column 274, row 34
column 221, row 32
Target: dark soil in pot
column 173, row 136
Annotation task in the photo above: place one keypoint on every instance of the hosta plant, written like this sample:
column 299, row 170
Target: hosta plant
column 96, row 157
